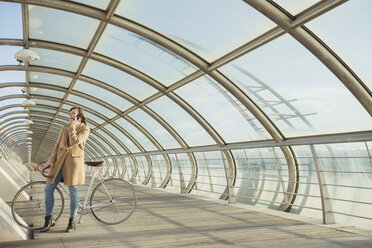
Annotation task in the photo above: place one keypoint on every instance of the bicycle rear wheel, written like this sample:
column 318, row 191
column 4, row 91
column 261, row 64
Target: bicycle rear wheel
column 113, row 201
column 28, row 206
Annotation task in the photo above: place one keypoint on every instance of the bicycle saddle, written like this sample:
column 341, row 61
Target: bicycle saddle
column 94, row 163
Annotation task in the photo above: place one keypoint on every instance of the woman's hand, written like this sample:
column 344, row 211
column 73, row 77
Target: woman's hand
column 75, row 123
column 49, row 163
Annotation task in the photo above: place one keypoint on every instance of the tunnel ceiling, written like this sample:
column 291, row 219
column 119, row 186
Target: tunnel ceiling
column 162, row 76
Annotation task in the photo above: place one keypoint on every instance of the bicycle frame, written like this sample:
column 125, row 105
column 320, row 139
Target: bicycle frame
column 85, row 205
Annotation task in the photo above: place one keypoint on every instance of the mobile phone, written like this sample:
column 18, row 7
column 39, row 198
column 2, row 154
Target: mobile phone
column 79, row 116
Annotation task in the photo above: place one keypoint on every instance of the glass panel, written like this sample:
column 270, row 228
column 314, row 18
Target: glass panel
column 101, row 4
column 280, row 78
column 12, row 76
column 159, row 170
column 221, row 110
column 11, row 101
column 52, row 79
column 10, row 91
column 55, row 59
column 46, row 102
column 348, row 173
column 2, row 112
column 94, row 118
column 189, row 129
column 112, row 142
column 7, row 53
column 77, row 100
column 209, row 28
column 11, row 14
column 143, row 168
column 308, row 185
column 211, row 178
column 46, row 92
column 347, row 31
column 181, row 172
column 136, row 134
column 262, row 176
column 123, row 138
column 294, row 6
column 61, row 26
column 118, row 79
column 102, row 142
column 144, row 55
column 44, row 110
column 164, row 138
column 107, row 96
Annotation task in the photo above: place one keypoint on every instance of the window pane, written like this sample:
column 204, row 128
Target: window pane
column 347, row 30
column 46, row 92
column 221, row 110
column 165, row 139
column 138, row 135
column 112, row 141
column 294, row 6
column 11, row 14
column 101, row 4
column 123, row 138
column 210, row 28
column 61, row 26
column 280, row 78
column 118, row 79
column 55, row 59
column 12, row 76
column 188, row 128
column 7, row 53
column 52, row 79
column 77, row 100
column 143, row 55
column 102, row 94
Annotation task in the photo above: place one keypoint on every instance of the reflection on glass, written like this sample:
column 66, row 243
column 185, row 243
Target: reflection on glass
column 225, row 113
column 143, row 55
column 280, row 78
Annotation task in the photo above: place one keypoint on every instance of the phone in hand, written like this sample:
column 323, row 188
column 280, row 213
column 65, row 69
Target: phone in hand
column 79, row 116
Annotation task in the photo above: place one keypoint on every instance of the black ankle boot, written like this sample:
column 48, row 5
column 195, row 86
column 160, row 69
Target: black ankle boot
column 71, row 225
column 49, row 222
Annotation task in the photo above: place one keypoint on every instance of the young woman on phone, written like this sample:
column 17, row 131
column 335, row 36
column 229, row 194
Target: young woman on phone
column 67, row 166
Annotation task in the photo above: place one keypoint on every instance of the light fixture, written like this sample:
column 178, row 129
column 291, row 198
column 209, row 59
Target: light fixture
column 29, row 132
column 27, row 121
column 28, row 103
column 26, row 55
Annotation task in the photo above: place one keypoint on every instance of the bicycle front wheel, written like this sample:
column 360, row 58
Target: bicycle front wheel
column 28, row 205
column 113, row 201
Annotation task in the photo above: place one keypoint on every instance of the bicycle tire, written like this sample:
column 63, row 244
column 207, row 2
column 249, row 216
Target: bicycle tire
column 28, row 206
column 123, row 205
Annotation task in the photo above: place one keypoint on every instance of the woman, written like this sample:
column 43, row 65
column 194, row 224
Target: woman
column 67, row 165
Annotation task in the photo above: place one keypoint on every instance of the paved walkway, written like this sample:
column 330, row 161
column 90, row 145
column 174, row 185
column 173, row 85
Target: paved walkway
column 164, row 219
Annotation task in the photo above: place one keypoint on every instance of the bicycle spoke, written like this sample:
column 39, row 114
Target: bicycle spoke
column 123, row 195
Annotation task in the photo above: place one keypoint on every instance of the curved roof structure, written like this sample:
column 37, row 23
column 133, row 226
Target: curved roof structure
column 251, row 101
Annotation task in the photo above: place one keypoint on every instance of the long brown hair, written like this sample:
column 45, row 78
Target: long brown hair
column 81, row 111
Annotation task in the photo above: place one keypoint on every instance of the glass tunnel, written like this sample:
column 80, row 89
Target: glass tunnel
column 266, row 103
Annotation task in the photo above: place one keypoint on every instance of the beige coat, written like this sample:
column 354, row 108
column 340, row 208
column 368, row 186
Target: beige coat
column 68, row 154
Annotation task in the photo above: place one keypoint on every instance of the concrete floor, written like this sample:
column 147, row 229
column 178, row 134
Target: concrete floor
column 165, row 219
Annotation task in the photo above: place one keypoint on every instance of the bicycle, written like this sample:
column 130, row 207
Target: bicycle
column 111, row 202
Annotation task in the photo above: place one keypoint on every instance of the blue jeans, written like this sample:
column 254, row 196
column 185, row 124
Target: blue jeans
column 49, row 197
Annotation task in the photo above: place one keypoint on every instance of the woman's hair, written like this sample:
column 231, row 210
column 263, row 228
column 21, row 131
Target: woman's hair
column 82, row 112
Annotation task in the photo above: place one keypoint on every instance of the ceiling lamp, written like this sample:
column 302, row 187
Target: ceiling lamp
column 27, row 121
column 28, row 103
column 29, row 132
column 26, row 55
